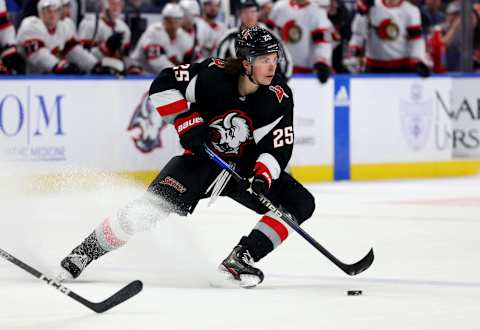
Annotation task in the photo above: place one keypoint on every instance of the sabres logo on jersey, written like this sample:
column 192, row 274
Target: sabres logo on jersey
column 217, row 62
column 230, row 132
column 279, row 92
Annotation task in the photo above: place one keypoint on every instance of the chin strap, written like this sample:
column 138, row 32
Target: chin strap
column 250, row 76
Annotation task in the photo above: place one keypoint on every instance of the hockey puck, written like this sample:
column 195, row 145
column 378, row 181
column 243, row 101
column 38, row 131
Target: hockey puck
column 354, row 292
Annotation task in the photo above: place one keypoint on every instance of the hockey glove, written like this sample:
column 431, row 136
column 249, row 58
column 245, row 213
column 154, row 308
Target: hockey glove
column 12, row 60
column 422, row 69
column 192, row 131
column 262, row 179
column 109, row 65
column 323, row 71
column 63, row 67
column 114, row 42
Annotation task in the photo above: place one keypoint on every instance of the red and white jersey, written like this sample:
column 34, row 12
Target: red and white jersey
column 7, row 31
column 155, row 50
column 204, row 39
column 391, row 36
column 94, row 32
column 43, row 49
column 305, row 30
column 217, row 30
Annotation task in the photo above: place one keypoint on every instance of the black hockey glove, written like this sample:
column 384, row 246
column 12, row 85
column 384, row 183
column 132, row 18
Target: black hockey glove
column 63, row 67
column 100, row 69
column 114, row 42
column 323, row 71
column 193, row 132
column 422, row 69
column 262, row 179
column 12, row 60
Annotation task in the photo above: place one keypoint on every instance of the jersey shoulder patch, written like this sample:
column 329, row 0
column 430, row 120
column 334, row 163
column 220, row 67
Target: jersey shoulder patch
column 216, row 62
column 279, row 91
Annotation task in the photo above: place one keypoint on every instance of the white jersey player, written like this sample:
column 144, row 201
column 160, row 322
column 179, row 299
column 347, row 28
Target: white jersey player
column 50, row 44
column 7, row 31
column 248, row 13
column 107, row 35
column 303, row 27
column 10, row 60
column 203, row 35
column 211, row 10
column 389, row 32
column 164, row 44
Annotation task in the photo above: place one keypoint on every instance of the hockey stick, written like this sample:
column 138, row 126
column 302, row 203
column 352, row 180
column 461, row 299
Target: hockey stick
column 350, row 269
column 125, row 293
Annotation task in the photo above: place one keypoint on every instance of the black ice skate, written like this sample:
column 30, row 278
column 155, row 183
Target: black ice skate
column 73, row 264
column 80, row 257
column 238, row 266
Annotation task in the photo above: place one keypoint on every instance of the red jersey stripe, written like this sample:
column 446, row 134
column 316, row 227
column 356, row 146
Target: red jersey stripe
column 172, row 108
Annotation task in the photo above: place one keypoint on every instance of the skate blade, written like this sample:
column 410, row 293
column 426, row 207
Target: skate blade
column 63, row 276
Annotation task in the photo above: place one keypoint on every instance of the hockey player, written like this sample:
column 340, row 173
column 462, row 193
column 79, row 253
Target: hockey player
column 389, row 34
column 248, row 15
column 66, row 10
column 265, row 10
column 245, row 114
column 10, row 59
column 164, row 44
column 106, row 35
column 65, row 14
column 211, row 11
column 50, row 44
column 203, row 35
column 304, row 28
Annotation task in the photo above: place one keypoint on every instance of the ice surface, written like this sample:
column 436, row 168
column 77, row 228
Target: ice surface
column 426, row 274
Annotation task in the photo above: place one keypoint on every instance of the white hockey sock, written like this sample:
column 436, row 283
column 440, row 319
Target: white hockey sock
column 141, row 215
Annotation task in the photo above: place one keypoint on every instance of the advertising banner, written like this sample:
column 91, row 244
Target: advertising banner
column 465, row 116
column 96, row 124
column 400, row 120
column 109, row 125
column 313, row 122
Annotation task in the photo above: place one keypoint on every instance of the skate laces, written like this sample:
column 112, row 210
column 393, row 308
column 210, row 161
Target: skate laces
column 247, row 258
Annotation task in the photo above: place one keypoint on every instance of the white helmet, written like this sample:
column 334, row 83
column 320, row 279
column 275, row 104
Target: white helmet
column 217, row 2
column 262, row 3
column 65, row 2
column 190, row 7
column 48, row 3
column 172, row 10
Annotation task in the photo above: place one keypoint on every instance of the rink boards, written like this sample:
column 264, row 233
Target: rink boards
column 354, row 127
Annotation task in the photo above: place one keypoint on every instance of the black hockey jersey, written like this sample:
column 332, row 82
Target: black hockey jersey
column 256, row 127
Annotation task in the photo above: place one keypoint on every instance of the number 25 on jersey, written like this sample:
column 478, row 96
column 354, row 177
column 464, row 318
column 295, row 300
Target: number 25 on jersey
column 282, row 136
column 181, row 72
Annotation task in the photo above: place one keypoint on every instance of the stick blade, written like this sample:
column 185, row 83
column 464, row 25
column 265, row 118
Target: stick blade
column 122, row 295
column 361, row 265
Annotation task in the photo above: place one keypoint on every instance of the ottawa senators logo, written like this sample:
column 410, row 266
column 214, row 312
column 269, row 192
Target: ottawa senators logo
column 291, row 32
column 388, row 30
column 279, row 92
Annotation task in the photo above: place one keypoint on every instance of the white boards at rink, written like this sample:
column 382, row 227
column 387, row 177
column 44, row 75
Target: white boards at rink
column 353, row 127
